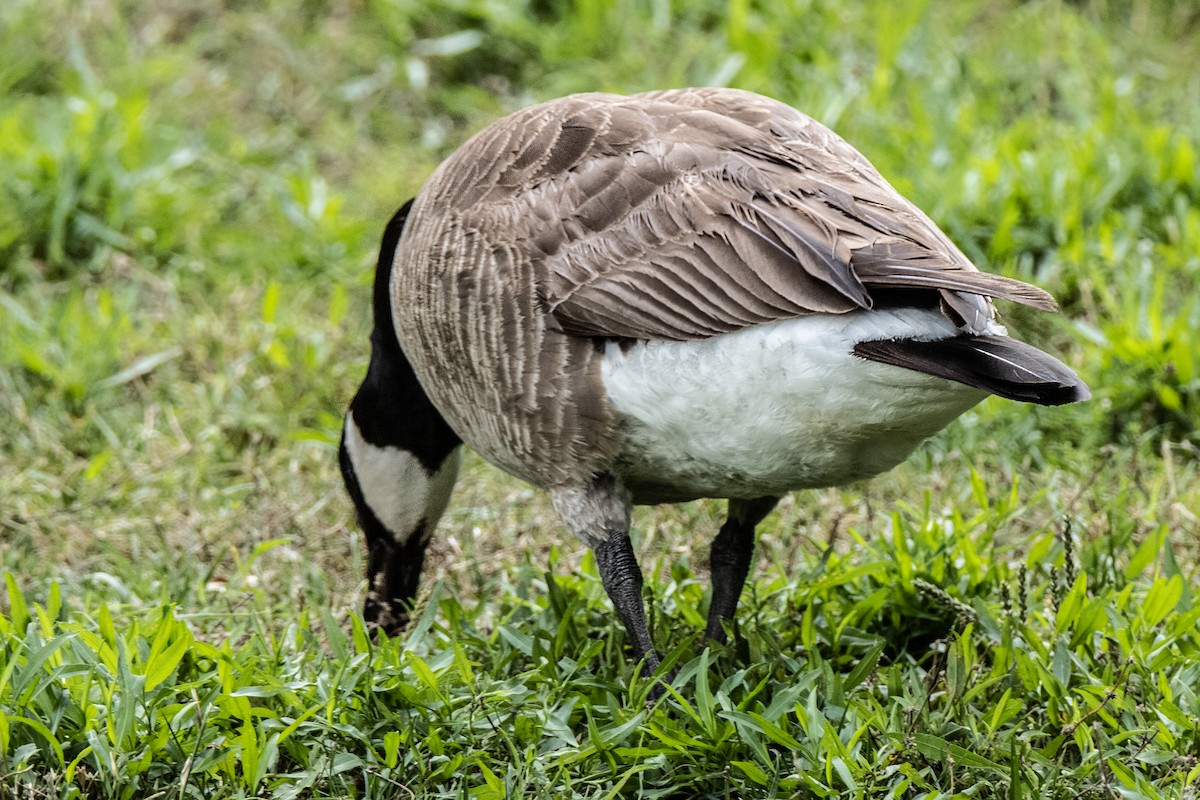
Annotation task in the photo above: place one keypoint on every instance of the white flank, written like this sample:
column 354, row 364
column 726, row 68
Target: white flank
column 396, row 487
column 776, row 407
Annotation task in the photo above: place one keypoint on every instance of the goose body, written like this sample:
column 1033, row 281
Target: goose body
column 680, row 294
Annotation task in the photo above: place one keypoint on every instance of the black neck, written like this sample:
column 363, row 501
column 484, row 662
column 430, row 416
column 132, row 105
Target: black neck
column 391, row 408
column 384, row 334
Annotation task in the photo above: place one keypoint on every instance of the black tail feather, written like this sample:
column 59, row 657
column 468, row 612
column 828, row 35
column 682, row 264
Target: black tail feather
column 996, row 364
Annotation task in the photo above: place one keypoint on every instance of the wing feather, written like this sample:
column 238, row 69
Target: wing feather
column 686, row 214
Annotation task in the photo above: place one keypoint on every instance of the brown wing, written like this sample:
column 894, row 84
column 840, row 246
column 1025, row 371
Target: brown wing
column 685, row 214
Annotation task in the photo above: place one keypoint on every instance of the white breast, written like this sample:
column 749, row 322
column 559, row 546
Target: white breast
column 776, row 407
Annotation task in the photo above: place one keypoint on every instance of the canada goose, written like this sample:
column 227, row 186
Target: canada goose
column 656, row 298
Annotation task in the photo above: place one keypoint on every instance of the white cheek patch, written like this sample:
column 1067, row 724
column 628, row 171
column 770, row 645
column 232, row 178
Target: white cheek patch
column 397, row 487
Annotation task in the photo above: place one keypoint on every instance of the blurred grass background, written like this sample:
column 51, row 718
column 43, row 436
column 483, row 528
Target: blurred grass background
column 190, row 199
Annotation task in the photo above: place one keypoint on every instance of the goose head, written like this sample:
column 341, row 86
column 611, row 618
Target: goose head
column 399, row 459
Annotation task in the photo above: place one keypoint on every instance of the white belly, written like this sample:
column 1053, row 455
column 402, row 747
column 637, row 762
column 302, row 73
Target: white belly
column 776, row 407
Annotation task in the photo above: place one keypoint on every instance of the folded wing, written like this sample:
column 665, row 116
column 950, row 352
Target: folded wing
column 686, row 214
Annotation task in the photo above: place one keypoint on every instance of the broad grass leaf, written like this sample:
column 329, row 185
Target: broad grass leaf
column 1162, row 598
column 42, row 731
column 18, row 611
column 703, row 695
column 1146, row 552
column 752, row 771
column 935, row 747
column 143, row 366
column 764, row 726
column 417, row 636
column 270, row 302
column 1068, row 609
column 422, row 671
column 163, row 661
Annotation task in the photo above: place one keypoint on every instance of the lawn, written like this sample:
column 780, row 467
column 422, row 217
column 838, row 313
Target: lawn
column 191, row 194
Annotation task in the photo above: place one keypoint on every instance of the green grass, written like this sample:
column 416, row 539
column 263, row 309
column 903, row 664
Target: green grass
column 190, row 198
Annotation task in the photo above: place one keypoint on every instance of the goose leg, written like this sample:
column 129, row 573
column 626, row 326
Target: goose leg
column 622, row 578
column 598, row 513
column 732, row 552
